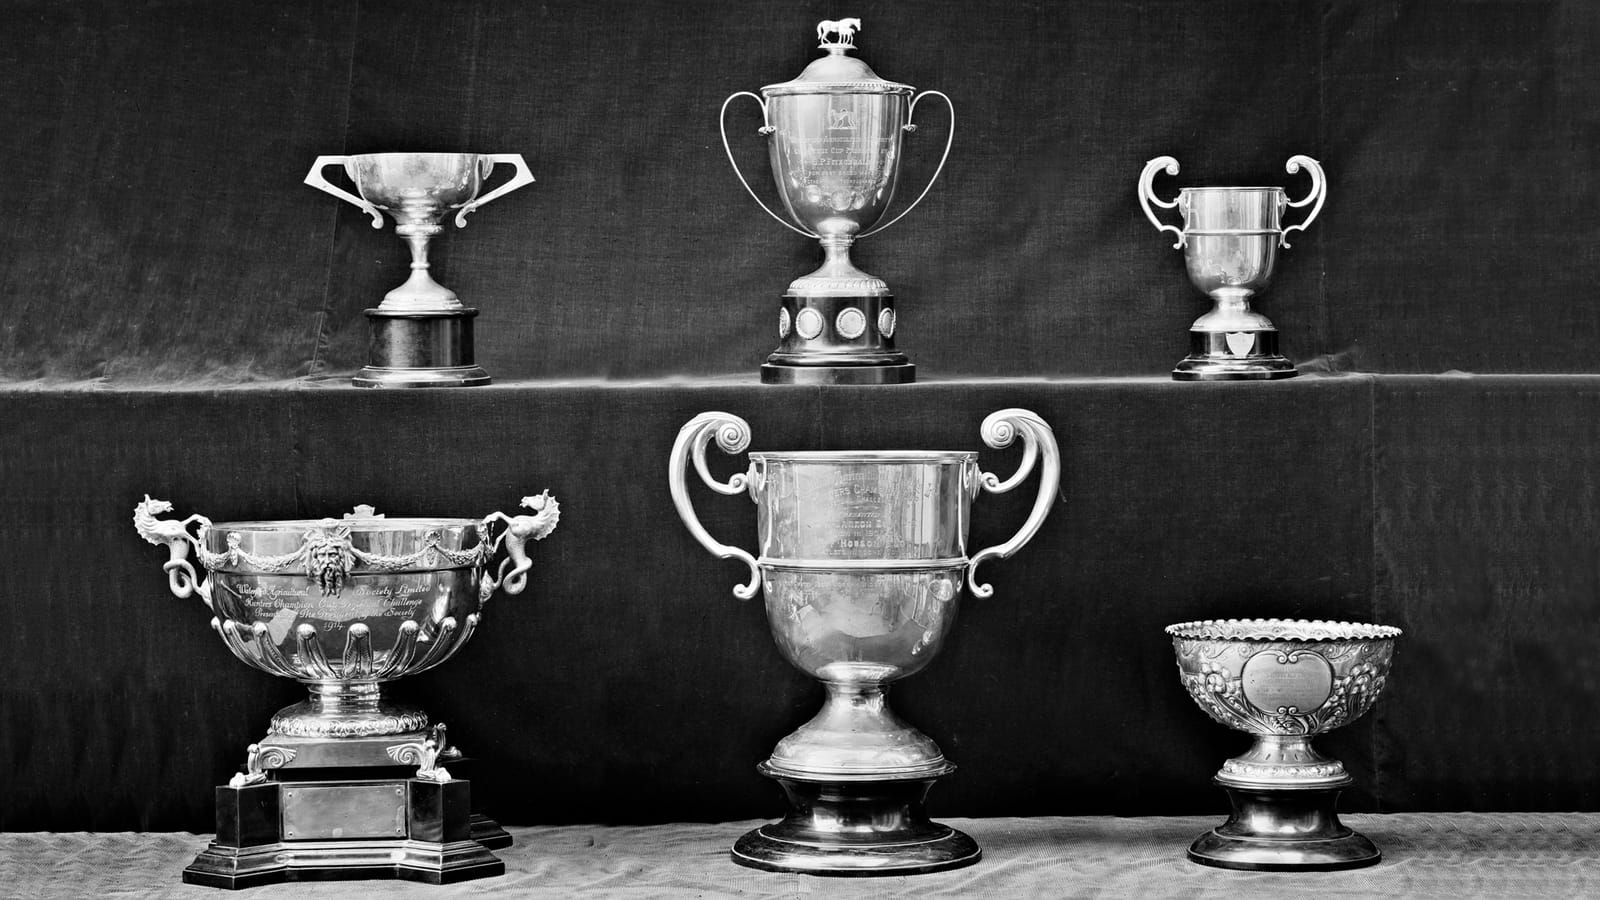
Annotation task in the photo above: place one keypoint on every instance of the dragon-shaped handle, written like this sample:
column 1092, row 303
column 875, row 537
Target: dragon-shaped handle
column 733, row 436
column 999, row 430
column 519, row 530
column 181, row 576
column 1319, row 193
column 523, row 178
column 1147, row 195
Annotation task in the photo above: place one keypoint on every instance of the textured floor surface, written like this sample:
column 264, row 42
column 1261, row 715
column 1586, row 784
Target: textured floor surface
column 1455, row 856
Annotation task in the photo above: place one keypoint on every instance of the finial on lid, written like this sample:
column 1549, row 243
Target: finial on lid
column 844, row 31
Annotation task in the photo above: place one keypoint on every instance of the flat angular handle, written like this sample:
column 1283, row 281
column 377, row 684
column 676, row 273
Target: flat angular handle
column 315, row 179
column 523, row 178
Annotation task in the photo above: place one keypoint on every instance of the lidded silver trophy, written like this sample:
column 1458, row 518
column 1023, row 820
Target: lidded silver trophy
column 1285, row 682
column 421, row 332
column 863, row 556
column 1230, row 239
column 345, row 606
column 835, row 139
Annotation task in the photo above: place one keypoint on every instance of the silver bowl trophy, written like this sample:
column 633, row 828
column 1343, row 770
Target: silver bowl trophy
column 863, row 555
column 1284, row 681
column 421, row 332
column 348, row 783
column 835, row 135
column 1230, row 240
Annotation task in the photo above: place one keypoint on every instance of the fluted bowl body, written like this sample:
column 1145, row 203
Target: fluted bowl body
column 1283, row 677
column 358, row 599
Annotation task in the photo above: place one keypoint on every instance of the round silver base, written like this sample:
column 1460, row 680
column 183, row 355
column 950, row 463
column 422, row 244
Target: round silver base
column 453, row 376
column 854, row 829
column 1234, row 356
column 904, row 373
column 1284, row 831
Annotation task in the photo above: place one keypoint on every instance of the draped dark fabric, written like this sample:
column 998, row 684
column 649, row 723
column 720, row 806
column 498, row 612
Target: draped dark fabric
column 179, row 316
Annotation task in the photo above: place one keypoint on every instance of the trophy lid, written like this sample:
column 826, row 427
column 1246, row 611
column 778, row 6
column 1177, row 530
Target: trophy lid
column 837, row 73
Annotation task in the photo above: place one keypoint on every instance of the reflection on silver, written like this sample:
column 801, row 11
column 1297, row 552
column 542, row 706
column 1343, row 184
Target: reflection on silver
column 862, row 556
column 1285, row 682
column 1230, row 238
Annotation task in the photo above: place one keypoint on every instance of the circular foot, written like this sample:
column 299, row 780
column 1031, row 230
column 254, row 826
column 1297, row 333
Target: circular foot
column 904, row 373
column 444, row 376
column 1234, row 356
column 942, row 849
column 1208, row 370
column 1352, row 851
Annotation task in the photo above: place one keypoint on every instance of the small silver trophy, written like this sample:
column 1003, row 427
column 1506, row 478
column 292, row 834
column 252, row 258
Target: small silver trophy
column 345, row 606
column 1230, row 240
column 863, row 557
column 835, row 139
column 1284, row 681
column 421, row 332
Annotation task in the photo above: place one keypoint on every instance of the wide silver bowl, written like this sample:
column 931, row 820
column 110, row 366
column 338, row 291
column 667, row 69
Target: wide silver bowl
column 346, row 605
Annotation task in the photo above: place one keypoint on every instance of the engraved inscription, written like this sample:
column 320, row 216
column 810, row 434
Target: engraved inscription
column 843, row 160
column 1289, row 682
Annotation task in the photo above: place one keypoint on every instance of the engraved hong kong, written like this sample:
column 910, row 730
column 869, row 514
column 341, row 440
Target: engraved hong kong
column 421, row 332
column 862, row 559
column 1230, row 239
column 1283, row 681
column 834, row 138
column 348, row 783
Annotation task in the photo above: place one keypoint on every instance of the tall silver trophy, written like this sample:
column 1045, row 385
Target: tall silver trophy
column 835, row 139
column 863, row 556
column 1230, row 239
column 348, row 783
column 1284, row 682
column 421, row 332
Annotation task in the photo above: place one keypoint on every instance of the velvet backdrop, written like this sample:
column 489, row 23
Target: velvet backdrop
column 159, row 244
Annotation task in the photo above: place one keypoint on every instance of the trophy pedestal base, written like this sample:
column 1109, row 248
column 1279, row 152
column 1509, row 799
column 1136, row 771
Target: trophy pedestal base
column 412, row 829
column 1284, row 830
column 856, row 828
column 421, row 348
column 837, row 340
column 1233, row 356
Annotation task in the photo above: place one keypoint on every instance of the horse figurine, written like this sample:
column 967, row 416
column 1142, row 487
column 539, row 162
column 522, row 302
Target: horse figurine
column 844, row 28
column 181, row 576
column 519, row 531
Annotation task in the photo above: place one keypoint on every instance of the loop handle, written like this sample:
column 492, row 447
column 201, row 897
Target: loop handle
column 523, row 178
column 998, row 431
column 733, row 436
column 315, row 179
column 1319, row 193
column 766, row 129
column 948, row 141
column 1147, row 195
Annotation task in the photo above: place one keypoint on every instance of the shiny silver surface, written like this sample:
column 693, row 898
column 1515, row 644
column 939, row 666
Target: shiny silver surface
column 421, row 332
column 1284, row 682
column 346, row 605
column 1230, row 238
column 863, row 557
column 835, row 143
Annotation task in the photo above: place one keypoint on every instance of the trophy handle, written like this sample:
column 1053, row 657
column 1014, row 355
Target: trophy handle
column 315, row 179
column 1319, row 193
column 998, row 431
column 518, row 531
column 1147, row 195
column 181, row 577
column 523, row 178
column 910, row 128
column 733, row 436
column 767, row 129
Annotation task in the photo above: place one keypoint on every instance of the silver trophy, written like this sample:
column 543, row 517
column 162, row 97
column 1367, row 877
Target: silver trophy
column 1285, row 682
column 421, row 332
column 863, row 556
column 345, row 606
column 835, row 139
column 1230, row 240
